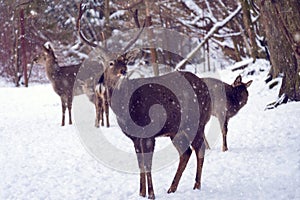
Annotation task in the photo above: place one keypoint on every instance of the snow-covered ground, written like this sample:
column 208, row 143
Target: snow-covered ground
column 39, row 159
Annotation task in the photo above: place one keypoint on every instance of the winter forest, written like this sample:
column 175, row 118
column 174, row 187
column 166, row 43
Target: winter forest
column 81, row 79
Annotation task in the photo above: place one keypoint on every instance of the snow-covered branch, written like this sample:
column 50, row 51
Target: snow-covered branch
column 214, row 29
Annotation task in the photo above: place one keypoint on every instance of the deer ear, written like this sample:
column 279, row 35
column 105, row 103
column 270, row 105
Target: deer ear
column 45, row 48
column 248, row 83
column 238, row 80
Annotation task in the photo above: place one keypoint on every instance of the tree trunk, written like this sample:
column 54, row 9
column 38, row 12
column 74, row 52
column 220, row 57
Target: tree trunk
column 106, row 12
column 281, row 22
column 249, row 28
column 23, row 46
column 152, row 49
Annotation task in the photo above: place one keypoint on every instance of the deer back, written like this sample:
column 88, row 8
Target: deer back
column 159, row 106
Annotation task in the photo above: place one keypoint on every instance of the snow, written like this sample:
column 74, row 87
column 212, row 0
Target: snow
column 117, row 14
column 241, row 63
column 39, row 159
column 193, row 6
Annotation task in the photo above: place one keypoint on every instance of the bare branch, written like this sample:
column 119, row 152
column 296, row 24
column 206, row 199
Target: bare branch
column 214, row 29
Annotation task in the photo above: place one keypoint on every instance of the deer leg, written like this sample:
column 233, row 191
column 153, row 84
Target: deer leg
column 184, row 158
column 144, row 150
column 70, row 109
column 142, row 184
column 101, row 115
column 182, row 145
column 106, row 109
column 140, row 158
column 148, row 156
column 150, row 186
column 224, row 134
column 63, row 107
column 97, row 108
column 199, row 147
column 97, row 116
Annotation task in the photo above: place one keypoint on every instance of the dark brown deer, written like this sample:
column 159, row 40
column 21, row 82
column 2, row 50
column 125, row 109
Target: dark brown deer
column 143, row 126
column 227, row 100
column 62, row 79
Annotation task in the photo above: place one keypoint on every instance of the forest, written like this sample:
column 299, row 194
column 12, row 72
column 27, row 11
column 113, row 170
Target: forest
column 260, row 29
column 99, row 97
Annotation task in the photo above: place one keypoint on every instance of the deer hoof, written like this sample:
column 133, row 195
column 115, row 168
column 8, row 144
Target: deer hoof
column 197, row 186
column 143, row 194
column 171, row 190
column 96, row 124
column 224, row 149
column 151, row 196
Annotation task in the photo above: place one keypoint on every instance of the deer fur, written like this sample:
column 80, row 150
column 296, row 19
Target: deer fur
column 101, row 102
column 141, row 102
column 96, row 92
column 227, row 100
column 62, row 79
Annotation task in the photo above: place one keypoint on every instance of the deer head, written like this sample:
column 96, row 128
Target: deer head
column 46, row 56
column 240, row 89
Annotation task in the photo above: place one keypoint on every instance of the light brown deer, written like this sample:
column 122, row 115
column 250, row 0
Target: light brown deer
column 62, row 79
column 101, row 102
column 227, row 100
column 96, row 92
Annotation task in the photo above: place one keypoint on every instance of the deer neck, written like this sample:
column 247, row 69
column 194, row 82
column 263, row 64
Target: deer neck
column 118, row 87
column 52, row 68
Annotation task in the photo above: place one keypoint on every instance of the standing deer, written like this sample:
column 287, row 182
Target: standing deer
column 96, row 92
column 143, row 125
column 101, row 102
column 62, row 79
column 227, row 100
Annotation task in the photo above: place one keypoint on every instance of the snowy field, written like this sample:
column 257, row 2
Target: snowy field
column 39, row 159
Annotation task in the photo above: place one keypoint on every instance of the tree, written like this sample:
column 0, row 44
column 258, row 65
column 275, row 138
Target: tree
column 281, row 22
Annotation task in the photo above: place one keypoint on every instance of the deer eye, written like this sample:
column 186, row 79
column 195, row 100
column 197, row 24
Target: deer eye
column 111, row 64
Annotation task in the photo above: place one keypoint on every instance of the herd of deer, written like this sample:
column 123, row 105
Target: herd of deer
column 206, row 91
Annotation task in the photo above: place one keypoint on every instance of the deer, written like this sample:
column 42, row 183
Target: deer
column 101, row 103
column 96, row 93
column 166, row 124
column 146, row 108
column 62, row 79
column 226, row 101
